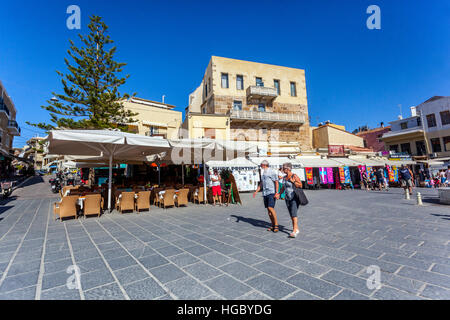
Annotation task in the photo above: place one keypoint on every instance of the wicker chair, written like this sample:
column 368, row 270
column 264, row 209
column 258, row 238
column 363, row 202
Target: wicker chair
column 126, row 202
column 143, row 200
column 199, row 197
column 93, row 204
column 182, row 197
column 167, row 199
column 66, row 208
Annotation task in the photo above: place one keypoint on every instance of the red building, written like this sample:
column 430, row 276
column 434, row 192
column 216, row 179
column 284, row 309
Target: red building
column 372, row 138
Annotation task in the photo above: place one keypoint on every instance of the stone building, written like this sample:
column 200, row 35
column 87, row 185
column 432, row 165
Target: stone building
column 373, row 138
column 263, row 103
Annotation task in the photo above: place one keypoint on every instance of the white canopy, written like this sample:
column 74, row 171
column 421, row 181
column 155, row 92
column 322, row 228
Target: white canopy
column 316, row 162
column 105, row 144
column 234, row 163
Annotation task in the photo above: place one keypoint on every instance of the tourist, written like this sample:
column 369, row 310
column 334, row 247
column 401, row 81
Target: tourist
column 290, row 182
column 447, row 175
column 405, row 176
column 380, row 178
column 269, row 186
column 215, row 186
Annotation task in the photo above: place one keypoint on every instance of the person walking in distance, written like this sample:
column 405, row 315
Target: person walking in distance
column 215, row 186
column 269, row 186
column 290, row 182
column 405, row 178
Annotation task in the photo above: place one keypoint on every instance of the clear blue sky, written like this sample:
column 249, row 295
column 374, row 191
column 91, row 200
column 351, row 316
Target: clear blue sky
column 354, row 76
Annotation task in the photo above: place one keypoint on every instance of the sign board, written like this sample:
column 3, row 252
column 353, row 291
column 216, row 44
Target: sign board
column 336, row 150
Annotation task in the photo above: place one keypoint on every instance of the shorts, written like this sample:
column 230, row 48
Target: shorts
column 269, row 200
column 216, row 190
column 406, row 183
column 292, row 206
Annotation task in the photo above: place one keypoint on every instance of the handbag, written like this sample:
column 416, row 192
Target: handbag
column 300, row 195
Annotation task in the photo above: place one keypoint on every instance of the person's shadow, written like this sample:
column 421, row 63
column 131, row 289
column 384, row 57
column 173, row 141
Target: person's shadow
column 258, row 223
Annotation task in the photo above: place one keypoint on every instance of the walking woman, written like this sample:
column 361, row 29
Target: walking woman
column 290, row 182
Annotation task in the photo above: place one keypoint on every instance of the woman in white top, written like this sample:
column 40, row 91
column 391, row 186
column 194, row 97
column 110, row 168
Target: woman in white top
column 215, row 186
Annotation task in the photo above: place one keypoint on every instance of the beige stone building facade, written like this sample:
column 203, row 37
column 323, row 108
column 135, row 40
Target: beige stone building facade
column 261, row 102
column 154, row 118
column 8, row 124
column 330, row 134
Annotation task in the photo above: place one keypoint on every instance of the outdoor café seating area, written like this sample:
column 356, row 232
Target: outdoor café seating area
column 83, row 201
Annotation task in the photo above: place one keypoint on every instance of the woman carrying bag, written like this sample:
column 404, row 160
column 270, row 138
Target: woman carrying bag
column 292, row 188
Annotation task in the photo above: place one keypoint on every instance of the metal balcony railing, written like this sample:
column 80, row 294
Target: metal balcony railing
column 14, row 125
column 267, row 116
column 3, row 106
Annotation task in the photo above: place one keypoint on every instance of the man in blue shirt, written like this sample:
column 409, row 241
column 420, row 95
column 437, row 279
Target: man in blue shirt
column 269, row 186
column 406, row 176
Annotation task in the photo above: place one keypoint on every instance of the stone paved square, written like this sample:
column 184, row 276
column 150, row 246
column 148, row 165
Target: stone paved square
column 206, row 252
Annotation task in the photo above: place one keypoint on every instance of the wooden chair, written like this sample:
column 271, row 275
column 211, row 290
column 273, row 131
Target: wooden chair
column 199, row 197
column 66, row 208
column 167, row 199
column 143, row 200
column 182, row 197
column 93, row 204
column 126, row 202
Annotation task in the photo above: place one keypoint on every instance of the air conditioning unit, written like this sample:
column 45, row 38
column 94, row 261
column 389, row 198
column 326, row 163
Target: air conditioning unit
column 433, row 155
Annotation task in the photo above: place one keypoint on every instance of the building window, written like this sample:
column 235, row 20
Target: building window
column 293, row 89
column 447, row 143
column 404, row 125
column 406, row 148
column 419, row 121
column 210, row 133
column 436, row 145
column 445, row 117
column 276, row 84
column 394, row 148
column 239, row 82
column 206, row 90
column 420, row 147
column 237, row 105
column 431, row 120
column 225, row 80
column 261, row 107
column 259, row 82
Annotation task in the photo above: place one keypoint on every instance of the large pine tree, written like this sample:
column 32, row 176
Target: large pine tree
column 91, row 99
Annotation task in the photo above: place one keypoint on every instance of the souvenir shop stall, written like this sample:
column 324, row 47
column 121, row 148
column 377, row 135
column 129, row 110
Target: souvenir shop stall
column 244, row 171
column 318, row 172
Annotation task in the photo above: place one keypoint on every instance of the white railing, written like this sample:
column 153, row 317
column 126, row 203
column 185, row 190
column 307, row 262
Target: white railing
column 267, row 116
column 261, row 91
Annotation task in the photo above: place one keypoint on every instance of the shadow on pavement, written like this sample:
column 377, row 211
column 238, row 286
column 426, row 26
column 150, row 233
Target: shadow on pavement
column 3, row 209
column 258, row 223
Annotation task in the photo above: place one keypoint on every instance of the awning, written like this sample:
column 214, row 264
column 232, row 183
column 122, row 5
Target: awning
column 347, row 162
column 235, row 163
column 275, row 162
column 154, row 124
column 370, row 162
column 317, row 162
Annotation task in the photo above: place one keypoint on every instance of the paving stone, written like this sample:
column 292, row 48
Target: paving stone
column 167, row 273
column 144, row 290
column 60, row 293
column 239, row 270
column 131, row 274
column 308, row 267
column 425, row 276
column 347, row 294
column 216, row 259
column 24, row 267
column 198, row 250
column 28, row 293
column 270, row 286
column 95, row 278
column 247, row 258
column 153, row 261
column 406, row 261
column 107, row 292
column 253, row 295
column 95, row 264
column 435, row 293
column 169, row 251
column 302, row 295
column 184, row 259
column 188, row 288
column 274, row 269
column 348, row 281
column 386, row 293
column 202, row 271
column 19, row 281
column 439, row 268
column 384, row 266
column 228, row 287
column 313, row 285
column 57, row 266
column 121, row 262
column 345, row 266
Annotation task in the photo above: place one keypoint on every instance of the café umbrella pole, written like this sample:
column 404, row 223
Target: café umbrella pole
column 182, row 174
column 110, row 182
column 204, row 182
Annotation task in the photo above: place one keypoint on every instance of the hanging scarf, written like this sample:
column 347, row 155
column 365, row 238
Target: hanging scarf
column 341, row 175
column 323, row 175
column 309, row 175
column 330, row 176
column 347, row 176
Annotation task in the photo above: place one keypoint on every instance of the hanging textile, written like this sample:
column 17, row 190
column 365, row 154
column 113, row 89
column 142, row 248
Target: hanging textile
column 394, row 168
column 362, row 169
column 341, row 174
column 347, row 176
column 309, row 175
column 330, row 176
column 323, row 175
column 390, row 173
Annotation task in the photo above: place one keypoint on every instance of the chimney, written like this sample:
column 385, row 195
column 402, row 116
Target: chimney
column 413, row 111
column 382, row 124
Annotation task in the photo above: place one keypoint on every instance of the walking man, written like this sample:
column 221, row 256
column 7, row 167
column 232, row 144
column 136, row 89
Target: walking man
column 269, row 186
column 406, row 178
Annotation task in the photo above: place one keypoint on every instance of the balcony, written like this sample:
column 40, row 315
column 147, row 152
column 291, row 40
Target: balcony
column 413, row 132
column 3, row 108
column 13, row 128
column 266, row 118
column 261, row 93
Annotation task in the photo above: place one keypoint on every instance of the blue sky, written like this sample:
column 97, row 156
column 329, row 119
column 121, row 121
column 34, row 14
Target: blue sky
column 354, row 76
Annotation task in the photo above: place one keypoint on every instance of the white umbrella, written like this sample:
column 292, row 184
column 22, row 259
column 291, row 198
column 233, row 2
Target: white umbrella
column 105, row 144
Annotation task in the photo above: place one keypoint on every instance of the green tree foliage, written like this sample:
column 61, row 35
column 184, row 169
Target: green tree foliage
column 91, row 99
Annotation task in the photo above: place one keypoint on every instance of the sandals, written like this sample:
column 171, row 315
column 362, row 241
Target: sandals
column 273, row 228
